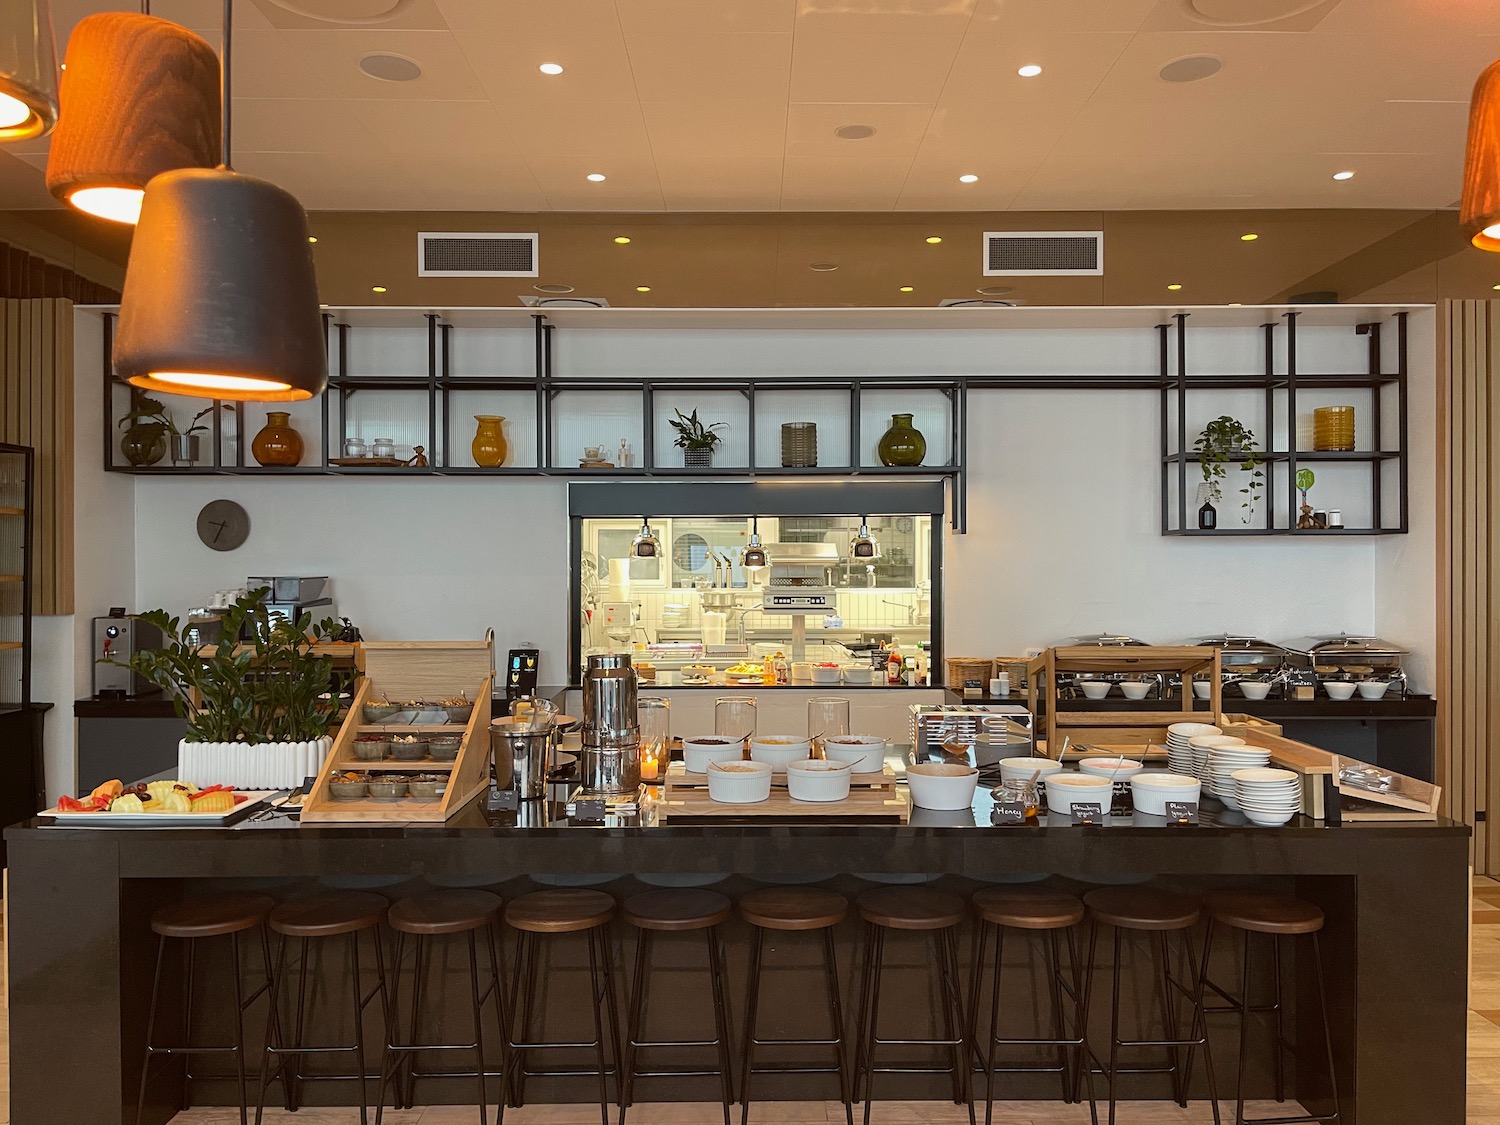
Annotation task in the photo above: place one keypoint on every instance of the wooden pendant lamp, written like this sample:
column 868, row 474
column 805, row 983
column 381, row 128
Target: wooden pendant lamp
column 221, row 299
column 1479, row 211
column 140, row 96
column 28, row 70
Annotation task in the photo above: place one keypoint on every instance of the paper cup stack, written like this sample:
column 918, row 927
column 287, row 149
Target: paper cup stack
column 1224, row 756
column 1268, row 797
column 1180, row 751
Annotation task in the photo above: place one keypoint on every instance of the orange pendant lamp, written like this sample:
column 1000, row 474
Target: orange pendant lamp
column 140, row 96
column 28, row 70
column 221, row 298
column 1479, row 211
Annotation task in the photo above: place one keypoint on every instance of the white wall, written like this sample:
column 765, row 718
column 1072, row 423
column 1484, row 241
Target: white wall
column 1064, row 528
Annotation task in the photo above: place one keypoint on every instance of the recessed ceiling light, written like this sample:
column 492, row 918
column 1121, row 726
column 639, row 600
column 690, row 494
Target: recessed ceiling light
column 994, row 290
column 823, row 267
column 1193, row 68
column 1030, row 70
column 643, row 288
column 854, row 132
column 390, row 68
column 933, row 239
column 1497, row 287
column 906, row 289
column 595, row 177
column 377, row 289
column 1343, row 175
column 622, row 240
column 1249, row 237
column 1174, row 286
column 553, row 288
column 312, row 238
column 551, row 68
column 968, row 178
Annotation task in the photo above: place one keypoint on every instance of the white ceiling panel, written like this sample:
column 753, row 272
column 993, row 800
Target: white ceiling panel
column 716, row 129
column 830, row 66
column 738, row 67
column 287, row 125
column 671, row 18
column 817, row 183
column 716, row 183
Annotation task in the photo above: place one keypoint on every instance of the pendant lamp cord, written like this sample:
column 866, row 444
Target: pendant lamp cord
column 226, row 86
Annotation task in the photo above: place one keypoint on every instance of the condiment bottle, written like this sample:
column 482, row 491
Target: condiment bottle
column 893, row 666
column 783, row 670
column 768, row 672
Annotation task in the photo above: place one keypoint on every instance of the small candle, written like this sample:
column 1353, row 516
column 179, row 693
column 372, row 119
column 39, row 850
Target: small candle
column 650, row 762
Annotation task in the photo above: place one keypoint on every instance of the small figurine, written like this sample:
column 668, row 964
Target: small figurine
column 419, row 459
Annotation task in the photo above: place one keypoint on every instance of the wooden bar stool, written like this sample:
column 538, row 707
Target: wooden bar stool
column 345, row 914
column 795, row 910
column 1277, row 916
column 442, row 914
column 1158, row 913
column 192, row 921
column 937, row 915
column 677, row 911
column 551, row 913
column 1044, row 914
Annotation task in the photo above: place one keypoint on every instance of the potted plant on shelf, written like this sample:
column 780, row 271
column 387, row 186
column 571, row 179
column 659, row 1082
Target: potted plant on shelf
column 1223, row 440
column 151, row 424
column 696, row 440
column 185, row 443
column 258, row 713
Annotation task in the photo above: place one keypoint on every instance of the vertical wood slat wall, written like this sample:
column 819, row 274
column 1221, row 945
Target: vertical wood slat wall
column 36, row 409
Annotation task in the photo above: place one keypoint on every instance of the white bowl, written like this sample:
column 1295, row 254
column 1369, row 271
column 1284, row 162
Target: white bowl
column 1094, row 689
column 1373, row 689
column 1115, row 769
column 818, row 780
column 1339, row 691
column 1021, row 769
column 858, row 674
column 1214, row 741
column 821, row 675
column 1263, row 775
column 802, row 671
column 942, row 785
column 1268, row 819
column 739, row 783
column 1254, row 689
column 700, row 750
column 1201, row 688
column 778, row 750
column 1065, row 788
column 1135, row 690
column 1151, row 790
column 864, row 752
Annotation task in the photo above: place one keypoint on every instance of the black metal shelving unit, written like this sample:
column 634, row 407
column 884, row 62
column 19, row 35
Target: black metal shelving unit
column 22, row 783
column 1280, row 389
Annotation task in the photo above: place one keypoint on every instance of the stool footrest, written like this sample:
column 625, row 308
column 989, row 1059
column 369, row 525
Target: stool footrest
column 231, row 1050
column 644, row 1044
column 787, row 1068
column 1305, row 1118
column 566, row 1072
column 555, row 1047
column 427, row 1047
column 796, row 1042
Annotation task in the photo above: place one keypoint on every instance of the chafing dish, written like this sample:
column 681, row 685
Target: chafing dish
column 1248, row 658
column 1314, row 661
column 987, row 732
column 1067, row 682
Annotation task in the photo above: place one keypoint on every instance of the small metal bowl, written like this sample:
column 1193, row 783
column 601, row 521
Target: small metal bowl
column 381, row 712
column 348, row 790
column 426, row 790
column 460, row 714
column 404, row 751
column 371, row 749
column 444, row 747
column 389, row 788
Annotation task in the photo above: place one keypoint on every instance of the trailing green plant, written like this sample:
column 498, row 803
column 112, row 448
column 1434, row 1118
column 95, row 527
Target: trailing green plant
column 273, row 687
column 693, row 434
column 150, row 413
column 1223, row 440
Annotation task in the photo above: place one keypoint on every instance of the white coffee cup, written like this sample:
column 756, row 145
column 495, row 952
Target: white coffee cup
column 1000, row 685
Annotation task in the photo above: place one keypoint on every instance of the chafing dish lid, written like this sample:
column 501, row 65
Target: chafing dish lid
column 1115, row 640
column 1233, row 641
column 1346, row 644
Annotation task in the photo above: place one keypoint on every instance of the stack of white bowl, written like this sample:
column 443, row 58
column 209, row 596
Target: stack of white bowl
column 1267, row 797
column 1225, row 755
column 1179, row 751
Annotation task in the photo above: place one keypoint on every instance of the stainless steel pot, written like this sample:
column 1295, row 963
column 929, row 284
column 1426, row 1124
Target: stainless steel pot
column 609, row 700
column 520, row 757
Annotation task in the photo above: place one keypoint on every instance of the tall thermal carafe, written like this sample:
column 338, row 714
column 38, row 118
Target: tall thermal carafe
column 611, row 758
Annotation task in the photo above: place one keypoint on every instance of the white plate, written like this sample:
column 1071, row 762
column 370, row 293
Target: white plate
column 97, row 819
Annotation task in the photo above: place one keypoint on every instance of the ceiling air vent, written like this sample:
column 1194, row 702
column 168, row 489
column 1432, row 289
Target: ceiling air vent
column 475, row 254
column 536, row 302
column 1036, row 253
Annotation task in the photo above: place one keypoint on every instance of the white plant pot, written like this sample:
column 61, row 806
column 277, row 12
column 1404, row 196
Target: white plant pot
column 266, row 765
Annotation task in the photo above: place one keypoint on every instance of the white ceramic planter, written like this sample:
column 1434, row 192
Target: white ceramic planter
column 267, row 765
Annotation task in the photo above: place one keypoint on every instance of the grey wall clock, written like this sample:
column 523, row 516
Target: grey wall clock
column 223, row 525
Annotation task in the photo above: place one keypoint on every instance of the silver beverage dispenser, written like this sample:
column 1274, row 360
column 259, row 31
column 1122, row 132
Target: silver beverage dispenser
column 611, row 759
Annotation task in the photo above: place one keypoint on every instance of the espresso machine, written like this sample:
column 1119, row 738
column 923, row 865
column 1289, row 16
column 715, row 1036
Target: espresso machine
column 610, row 761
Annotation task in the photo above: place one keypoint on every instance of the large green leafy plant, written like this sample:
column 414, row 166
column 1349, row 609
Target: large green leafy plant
column 1223, row 440
column 273, row 687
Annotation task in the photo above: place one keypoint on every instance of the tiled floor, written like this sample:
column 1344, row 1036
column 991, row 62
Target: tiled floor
column 1483, row 1106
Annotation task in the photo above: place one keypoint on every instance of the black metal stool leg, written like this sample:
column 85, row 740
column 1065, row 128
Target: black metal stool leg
column 421, row 961
column 191, row 954
column 295, row 1060
column 954, row 999
column 595, row 968
column 607, row 955
column 478, row 1023
column 867, row 949
column 239, row 1029
column 1239, row 1078
column 940, row 949
column 501, row 1019
column 1114, row 1023
column 836, row 1014
column 635, row 1017
column 877, row 963
column 752, row 1005
column 1169, row 1021
column 1333, row 1075
column 391, row 1063
column 161, row 952
column 359, row 1026
column 716, row 977
column 1199, row 1030
column 1059, row 1026
column 1082, row 1063
column 273, row 1020
column 1280, row 1023
column 994, row 1032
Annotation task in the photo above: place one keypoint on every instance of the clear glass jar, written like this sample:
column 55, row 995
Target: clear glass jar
column 354, row 447
column 383, row 447
column 1024, row 792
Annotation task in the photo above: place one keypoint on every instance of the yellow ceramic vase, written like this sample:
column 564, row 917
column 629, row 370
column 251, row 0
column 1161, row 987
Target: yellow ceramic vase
column 489, row 447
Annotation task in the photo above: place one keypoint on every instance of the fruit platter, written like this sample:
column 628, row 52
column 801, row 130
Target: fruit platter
column 115, row 804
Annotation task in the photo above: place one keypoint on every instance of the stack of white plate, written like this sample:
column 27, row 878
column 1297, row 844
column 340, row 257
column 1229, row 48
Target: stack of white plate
column 1223, row 760
column 1179, row 752
column 1267, row 797
column 1201, row 744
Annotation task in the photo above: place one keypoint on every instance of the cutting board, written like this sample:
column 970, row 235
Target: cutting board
column 686, row 805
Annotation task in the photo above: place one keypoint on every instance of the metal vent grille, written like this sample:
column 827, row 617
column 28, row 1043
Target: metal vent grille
column 476, row 254
column 1030, row 253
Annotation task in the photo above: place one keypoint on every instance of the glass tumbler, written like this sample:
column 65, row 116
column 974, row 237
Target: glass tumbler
column 654, row 716
column 827, row 715
column 734, row 716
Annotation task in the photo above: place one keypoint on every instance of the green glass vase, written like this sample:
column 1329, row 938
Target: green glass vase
column 902, row 444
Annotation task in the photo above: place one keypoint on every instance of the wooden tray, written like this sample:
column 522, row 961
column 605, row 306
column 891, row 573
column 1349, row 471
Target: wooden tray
column 866, row 806
column 679, row 778
column 367, row 462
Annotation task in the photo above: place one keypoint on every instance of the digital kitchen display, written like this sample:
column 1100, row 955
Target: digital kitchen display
column 521, row 671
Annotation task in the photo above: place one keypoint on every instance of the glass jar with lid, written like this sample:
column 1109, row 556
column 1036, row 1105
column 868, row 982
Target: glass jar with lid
column 383, row 447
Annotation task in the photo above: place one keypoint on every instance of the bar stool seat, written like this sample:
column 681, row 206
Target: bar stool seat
column 1028, row 909
column 794, row 908
column 1142, row 908
column 212, row 915
column 438, row 914
column 320, row 918
column 564, row 910
column 678, row 910
column 911, row 908
column 1263, row 912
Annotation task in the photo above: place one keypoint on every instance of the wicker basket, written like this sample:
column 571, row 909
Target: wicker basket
column 969, row 671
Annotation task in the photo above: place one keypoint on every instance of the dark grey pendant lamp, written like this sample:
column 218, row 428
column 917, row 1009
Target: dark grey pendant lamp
column 221, row 299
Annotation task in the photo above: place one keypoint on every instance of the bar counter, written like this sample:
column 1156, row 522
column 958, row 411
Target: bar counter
column 1395, row 945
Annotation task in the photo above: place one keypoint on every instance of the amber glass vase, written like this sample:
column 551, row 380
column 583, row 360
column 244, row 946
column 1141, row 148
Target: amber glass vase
column 489, row 446
column 902, row 444
column 277, row 443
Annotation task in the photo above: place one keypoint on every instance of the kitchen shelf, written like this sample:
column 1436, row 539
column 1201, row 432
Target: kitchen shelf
column 1384, row 466
column 421, row 765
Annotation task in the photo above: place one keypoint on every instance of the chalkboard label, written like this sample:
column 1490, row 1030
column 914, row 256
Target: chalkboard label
column 1009, row 812
column 1086, row 812
column 1182, row 812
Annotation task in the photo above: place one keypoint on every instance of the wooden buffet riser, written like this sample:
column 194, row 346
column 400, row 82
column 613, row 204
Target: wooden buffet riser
column 679, row 778
column 413, row 670
column 687, row 805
